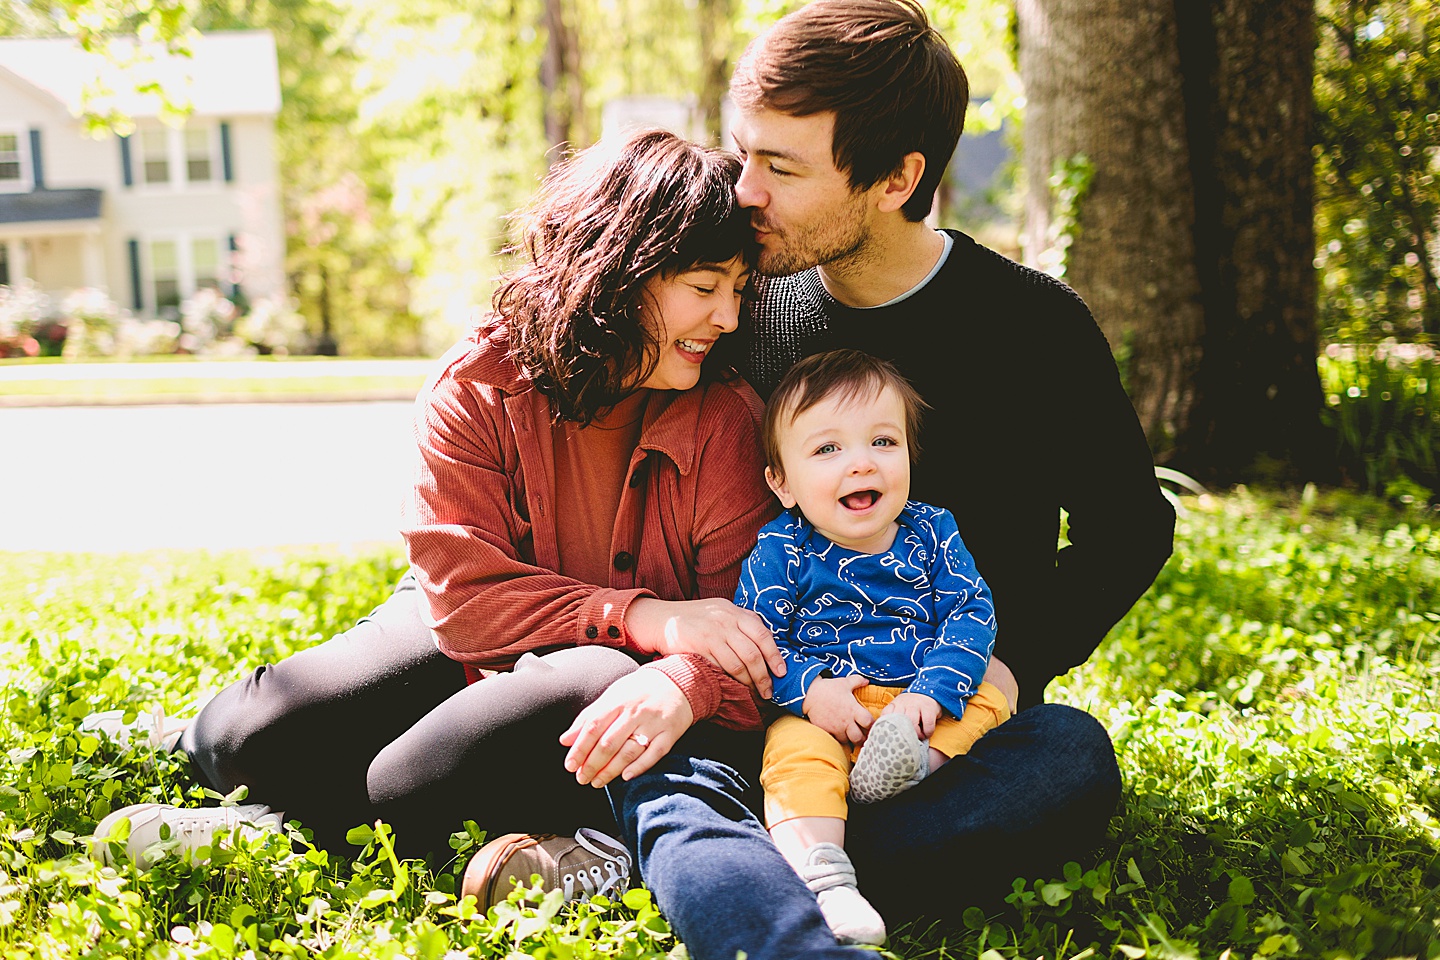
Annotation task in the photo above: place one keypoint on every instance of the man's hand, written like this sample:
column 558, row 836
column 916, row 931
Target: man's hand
column 1000, row 676
column 830, row 704
column 630, row 726
column 735, row 640
column 922, row 710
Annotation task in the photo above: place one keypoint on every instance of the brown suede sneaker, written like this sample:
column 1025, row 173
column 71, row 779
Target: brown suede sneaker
column 582, row 866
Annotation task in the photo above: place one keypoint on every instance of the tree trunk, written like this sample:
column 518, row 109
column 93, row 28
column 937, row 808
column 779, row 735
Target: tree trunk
column 1102, row 80
column 561, row 84
column 1194, row 243
column 715, row 18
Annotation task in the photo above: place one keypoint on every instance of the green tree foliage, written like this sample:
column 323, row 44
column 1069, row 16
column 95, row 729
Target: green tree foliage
column 1377, row 98
column 345, row 260
column 409, row 132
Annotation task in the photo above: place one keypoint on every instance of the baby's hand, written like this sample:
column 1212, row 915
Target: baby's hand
column 830, row 704
column 923, row 711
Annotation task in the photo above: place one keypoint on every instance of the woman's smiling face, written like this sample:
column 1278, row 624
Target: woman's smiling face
column 688, row 313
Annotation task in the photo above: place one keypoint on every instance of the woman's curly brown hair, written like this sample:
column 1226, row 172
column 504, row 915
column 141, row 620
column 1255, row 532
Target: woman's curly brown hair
column 604, row 223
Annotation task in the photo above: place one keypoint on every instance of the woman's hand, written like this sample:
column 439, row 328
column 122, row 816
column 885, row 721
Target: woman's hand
column 631, row 725
column 735, row 640
column 830, row 704
column 921, row 709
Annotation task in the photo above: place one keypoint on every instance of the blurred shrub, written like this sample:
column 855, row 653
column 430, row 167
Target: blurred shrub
column 146, row 338
column 22, row 308
column 274, row 327
column 89, row 325
column 1377, row 199
column 93, row 322
column 1381, row 400
column 207, row 319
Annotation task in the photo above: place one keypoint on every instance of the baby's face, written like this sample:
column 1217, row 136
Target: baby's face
column 847, row 467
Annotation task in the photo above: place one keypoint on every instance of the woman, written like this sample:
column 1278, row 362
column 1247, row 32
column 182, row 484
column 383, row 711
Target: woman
column 589, row 474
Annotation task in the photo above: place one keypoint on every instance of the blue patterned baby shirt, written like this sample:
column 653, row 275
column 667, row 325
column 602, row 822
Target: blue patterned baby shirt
column 917, row 615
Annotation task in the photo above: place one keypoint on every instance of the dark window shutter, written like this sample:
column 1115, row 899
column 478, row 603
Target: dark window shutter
column 125, row 169
column 225, row 165
column 235, row 292
column 37, row 160
column 137, row 298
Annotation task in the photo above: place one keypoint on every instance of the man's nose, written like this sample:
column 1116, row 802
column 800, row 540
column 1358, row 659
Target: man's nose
column 747, row 189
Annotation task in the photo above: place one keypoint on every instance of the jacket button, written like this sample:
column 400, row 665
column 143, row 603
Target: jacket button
column 614, row 632
column 624, row 561
column 638, row 477
column 592, row 631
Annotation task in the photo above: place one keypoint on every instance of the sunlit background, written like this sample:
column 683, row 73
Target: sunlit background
column 246, row 182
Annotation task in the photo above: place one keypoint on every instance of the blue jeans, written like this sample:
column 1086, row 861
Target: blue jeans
column 1031, row 794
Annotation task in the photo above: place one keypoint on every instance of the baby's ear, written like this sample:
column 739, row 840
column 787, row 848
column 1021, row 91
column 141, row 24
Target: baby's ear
column 777, row 483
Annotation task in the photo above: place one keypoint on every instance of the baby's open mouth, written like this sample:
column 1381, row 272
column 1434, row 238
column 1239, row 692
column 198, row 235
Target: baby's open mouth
column 860, row 499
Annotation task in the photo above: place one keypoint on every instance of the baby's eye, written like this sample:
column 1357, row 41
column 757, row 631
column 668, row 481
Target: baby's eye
column 825, row 448
column 884, row 442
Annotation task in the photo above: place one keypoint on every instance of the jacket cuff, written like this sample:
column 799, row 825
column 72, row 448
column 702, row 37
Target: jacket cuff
column 602, row 617
column 696, row 679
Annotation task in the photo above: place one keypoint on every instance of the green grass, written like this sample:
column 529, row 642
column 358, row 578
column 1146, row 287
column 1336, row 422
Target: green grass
column 161, row 390
column 184, row 380
column 1273, row 701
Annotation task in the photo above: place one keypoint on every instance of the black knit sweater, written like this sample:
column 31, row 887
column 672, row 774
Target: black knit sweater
column 1027, row 417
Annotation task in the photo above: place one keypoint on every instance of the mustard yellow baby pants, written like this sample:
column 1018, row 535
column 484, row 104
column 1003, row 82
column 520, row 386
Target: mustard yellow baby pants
column 806, row 771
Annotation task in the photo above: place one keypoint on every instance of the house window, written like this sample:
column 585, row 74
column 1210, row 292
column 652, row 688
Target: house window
column 4, row 264
column 12, row 160
column 180, row 266
column 197, row 155
column 205, row 255
column 174, row 159
column 165, row 274
column 155, row 148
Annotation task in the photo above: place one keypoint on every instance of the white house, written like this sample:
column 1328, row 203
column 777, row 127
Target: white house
column 152, row 217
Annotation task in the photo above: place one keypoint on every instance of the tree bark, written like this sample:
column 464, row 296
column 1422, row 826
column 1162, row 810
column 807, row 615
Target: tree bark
column 1194, row 244
column 563, row 87
column 715, row 19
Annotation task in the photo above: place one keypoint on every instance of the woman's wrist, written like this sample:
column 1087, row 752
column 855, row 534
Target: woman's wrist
column 699, row 683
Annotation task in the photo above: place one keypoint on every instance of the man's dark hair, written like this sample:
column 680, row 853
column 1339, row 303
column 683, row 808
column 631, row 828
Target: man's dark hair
column 605, row 222
column 892, row 81
column 846, row 374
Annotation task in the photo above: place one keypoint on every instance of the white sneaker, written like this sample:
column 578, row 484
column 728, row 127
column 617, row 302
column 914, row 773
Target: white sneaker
column 189, row 829
column 893, row 760
column 153, row 729
column 830, row 875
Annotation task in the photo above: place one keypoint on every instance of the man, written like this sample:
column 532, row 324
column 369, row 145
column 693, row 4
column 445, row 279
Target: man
column 848, row 113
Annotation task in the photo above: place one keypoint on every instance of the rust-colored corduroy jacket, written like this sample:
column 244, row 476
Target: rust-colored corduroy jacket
column 480, row 522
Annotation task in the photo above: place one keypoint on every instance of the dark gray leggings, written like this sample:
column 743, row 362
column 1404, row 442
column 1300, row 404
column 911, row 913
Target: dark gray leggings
column 377, row 723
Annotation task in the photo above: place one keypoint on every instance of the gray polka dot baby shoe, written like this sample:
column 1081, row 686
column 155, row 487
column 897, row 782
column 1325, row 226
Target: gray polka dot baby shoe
column 893, row 760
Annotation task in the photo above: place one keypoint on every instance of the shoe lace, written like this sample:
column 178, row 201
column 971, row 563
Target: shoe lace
column 193, row 832
column 598, row 877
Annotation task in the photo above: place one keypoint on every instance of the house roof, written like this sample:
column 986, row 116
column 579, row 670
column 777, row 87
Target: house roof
column 79, row 204
column 230, row 74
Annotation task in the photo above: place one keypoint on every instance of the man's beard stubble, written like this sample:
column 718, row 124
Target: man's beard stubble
column 837, row 243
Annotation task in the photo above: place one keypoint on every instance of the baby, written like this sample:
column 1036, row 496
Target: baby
column 885, row 625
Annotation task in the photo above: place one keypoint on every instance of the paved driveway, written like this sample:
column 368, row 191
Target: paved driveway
column 216, row 476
